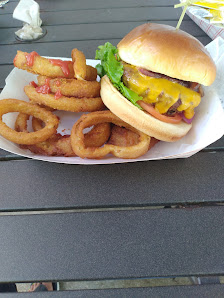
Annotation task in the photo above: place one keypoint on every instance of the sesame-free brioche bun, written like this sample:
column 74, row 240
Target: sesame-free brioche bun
column 139, row 119
column 169, row 51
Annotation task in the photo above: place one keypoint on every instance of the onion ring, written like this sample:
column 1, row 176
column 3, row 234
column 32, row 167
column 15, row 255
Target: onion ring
column 96, row 137
column 81, row 70
column 42, row 106
column 58, row 145
column 121, row 136
column 153, row 142
column 91, row 73
column 21, row 122
column 15, row 105
column 87, row 120
column 43, row 66
column 72, row 104
column 79, row 65
column 36, row 123
column 72, row 87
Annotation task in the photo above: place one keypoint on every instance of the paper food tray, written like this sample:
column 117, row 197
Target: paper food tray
column 207, row 127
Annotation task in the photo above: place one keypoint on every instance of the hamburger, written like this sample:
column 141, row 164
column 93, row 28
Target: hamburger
column 153, row 79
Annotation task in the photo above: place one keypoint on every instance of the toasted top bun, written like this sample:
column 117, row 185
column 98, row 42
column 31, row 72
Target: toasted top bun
column 139, row 119
column 166, row 50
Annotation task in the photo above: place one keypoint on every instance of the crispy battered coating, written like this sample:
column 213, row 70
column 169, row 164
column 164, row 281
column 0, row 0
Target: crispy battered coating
column 87, row 120
column 121, row 136
column 15, row 105
column 91, row 73
column 96, row 137
column 72, row 87
column 58, row 145
column 79, row 65
column 43, row 66
column 72, row 104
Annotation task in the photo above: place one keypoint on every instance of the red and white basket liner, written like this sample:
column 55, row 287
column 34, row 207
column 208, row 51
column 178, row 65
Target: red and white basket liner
column 211, row 30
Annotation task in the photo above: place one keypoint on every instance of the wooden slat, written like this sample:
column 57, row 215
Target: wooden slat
column 4, row 153
column 111, row 244
column 58, row 5
column 8, row 8
column 207, row 291
column 217, row 145
column 107, row 245
column 4, row 71
column 102, row 16
column 43, row 185
column 93, row 31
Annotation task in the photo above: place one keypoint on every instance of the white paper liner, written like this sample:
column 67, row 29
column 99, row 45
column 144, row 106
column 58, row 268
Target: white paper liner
column 208, row 126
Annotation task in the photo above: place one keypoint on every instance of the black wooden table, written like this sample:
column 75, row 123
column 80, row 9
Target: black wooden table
column 108, row 222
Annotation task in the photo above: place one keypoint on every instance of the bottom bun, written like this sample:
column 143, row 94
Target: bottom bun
column 139, row 119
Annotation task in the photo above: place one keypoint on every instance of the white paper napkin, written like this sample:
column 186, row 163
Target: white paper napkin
column 216, row 50
column 28, row 11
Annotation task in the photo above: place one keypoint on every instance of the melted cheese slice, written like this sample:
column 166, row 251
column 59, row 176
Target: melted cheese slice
column 161, row 92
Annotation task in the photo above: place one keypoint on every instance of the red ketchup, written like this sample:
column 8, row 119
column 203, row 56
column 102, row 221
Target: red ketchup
column 14, row 60
column 45, row 89
column 47, row 82
column 33, row 84
column 63, row 64
column 58, row 83
column 30, row 58
column 58, row 94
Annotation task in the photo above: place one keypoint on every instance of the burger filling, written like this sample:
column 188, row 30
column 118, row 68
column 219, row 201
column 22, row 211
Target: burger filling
column 167, row 99
column 167, row 95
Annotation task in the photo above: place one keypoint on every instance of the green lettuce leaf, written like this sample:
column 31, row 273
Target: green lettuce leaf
column 113, row 68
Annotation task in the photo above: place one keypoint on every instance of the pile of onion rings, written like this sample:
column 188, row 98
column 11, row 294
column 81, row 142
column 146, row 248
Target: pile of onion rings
column 64, row 103
column 69, row 86
column 62, row 85
column 87, row 120
column 57, row 144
